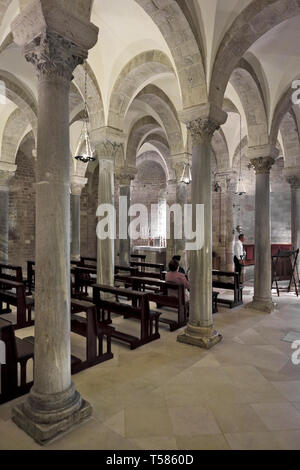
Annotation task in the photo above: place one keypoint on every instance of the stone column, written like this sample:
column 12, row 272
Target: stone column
column 171, row 199
column 53, row 405
column 200, row 330
column 124, row 178
column 77, row 184
column 108, row 145
column 181, row 199
column 5, row 177
column 226, row 181
column 262, row 165
column 293, row 178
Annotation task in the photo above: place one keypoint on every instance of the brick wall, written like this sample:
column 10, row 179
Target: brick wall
column 21, row 245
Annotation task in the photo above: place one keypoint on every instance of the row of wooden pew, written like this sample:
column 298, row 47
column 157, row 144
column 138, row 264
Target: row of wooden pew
column 136, row 286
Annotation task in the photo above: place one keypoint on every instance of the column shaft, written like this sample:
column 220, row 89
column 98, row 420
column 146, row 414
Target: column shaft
column 75, row 243
column 200, row 331
column 105, row 250
column 262, row 299
column 124, row 244
column 4, row 200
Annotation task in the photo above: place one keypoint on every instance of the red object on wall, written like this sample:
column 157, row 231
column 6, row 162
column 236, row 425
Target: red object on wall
column 250, row 251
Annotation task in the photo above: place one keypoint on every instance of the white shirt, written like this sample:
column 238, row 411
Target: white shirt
column 239, row 249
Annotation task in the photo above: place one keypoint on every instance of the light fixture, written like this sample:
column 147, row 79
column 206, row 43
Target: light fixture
column 240, row 187
column 87, row 155
column 186, row 177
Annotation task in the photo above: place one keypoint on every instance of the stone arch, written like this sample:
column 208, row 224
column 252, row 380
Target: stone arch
column 154, row 157
column 290, row 136
column 22, row 97
column 94, row 97
column 162, row 105
column 143, row 126
column 138, row 71
column 253, row 22
column 177, row 32
column 221, row 151
column 283, row 106
column 13, row 134
column 254, row 107
column 157, row 141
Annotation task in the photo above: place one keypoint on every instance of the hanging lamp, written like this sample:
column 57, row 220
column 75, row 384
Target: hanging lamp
column 87, row 155
column 240, row 187
column 186, row 177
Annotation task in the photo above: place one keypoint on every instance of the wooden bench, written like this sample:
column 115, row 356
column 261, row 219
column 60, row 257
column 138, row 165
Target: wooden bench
column 94, row 333
column 10, row 273
column 141, row 258
column 144, row 269
column 139, row 310
column 122, row 272
column 13, row 293
column 18, row 351
column 88, row 262
column 233, row 285
column 83, row 278
column 30, row 276
column 161, row 296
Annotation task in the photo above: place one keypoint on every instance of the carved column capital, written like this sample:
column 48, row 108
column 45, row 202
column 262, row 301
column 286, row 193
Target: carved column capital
column 5, row 177
column 124, row 176
column 77, row 185
column 294, row 181
column 109, row 150
column 292, row 176
column 54, row 56
column 262, row 165
column 227, row 180
column 202, row 130
column 203, row 121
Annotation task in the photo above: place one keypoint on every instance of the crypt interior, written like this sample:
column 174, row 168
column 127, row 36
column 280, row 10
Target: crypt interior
column 162, row 102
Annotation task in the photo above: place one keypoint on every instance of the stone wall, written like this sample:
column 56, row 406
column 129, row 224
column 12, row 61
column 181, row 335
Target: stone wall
column 21, row 245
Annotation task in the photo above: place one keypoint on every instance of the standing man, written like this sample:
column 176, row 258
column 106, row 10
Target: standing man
column 239, row 254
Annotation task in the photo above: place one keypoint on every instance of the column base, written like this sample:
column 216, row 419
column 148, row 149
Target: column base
column 262, row 305
column 201, row 337
column 45, row 425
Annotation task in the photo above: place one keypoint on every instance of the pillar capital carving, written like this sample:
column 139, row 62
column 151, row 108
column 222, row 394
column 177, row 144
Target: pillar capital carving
column 125, row 175
column 7, row 171
column 202, row 130
column 262, row 165
column 292, row 175
column 178, row 161
column 54, row 40
column 54, row 56
column 202, row 121
column 5, row 177
column 227, row 180
column 109, row 144
column 294, row 181
column 77, row 185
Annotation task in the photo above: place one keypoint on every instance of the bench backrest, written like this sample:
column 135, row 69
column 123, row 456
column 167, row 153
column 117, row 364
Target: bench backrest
column 9, row 377
column 140, row 299
column 11, row 273
column 88, row 261
column 129, row 269
column 158, row 266
column 170, row 294
column 141, row 258
column 235, row 279
column 7, row 285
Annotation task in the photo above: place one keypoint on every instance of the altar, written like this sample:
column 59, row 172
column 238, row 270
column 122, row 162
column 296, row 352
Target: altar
column 155, row 254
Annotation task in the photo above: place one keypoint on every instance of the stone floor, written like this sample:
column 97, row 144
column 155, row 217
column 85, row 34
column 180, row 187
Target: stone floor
column 243, row 394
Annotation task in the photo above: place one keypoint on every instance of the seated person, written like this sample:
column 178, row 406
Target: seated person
column 173, row 275
column 178, row 259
